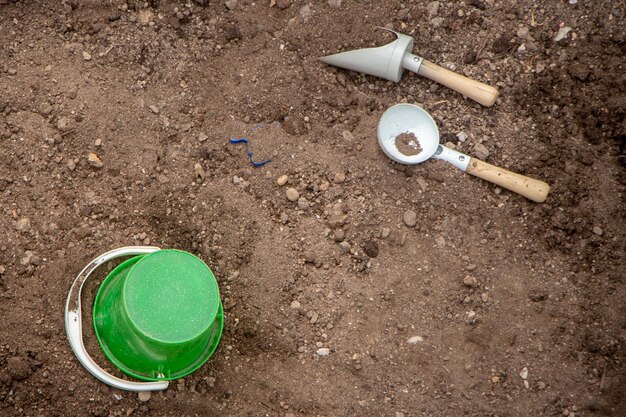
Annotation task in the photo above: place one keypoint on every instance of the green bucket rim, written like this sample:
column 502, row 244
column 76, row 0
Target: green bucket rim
column 216, row 327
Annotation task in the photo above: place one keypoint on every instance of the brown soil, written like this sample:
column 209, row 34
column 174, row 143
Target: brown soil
column 156, row 89
column 408, row 144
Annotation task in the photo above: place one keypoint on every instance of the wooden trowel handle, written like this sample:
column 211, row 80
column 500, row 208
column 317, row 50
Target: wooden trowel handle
column 528, row 187
column 477, row 91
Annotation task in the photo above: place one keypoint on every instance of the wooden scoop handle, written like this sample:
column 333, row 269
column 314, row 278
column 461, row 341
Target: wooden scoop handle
column 530, row 188
column 477, row 91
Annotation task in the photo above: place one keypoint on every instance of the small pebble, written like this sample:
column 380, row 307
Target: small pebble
column 292, row 194
column 470, row 281
column 202, row 137
column 282, row 180
column 230, row 4
column 154, row 109
column 410, row 218
column 345, row 246
column 597, row 230
column 144, row 396
column 562, row 34
column 339, row 178
column 295, row 304
column 524, row 373
column 385, row 232
column 199, row 170
column 481, row 151
column 94, row 160
column 461, row 136
column 415, row 340
column 86, row 56
column 323, row 352
column 432, row 9
column 334, row 3
column 303, row 203
column 309, row 257
column 63, row 124
column 23, row 224
column 440, row 241
column 305, row 12
column 347, row 135
column 522, row 33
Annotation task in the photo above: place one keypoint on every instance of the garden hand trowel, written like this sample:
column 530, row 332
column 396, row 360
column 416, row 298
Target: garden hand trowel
column 390, row 60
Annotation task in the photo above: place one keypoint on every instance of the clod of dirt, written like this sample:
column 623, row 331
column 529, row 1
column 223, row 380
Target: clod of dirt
column 5, row 378
column 309, row 257
column 370, row 248
column 408, row 144
column 18, row 368
column 501, row 45
column 283, row 4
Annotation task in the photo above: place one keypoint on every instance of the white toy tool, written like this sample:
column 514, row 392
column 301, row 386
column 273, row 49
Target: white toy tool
column 389, row 61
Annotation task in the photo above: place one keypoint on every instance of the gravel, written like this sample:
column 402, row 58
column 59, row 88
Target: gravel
column 481, row 151
column 323, row 352
column 23, row 224
column 470, row 281
column 292, row 194
column 144, row 396
column 410, row 218
column 345, row 246
column 415, row 340
column 94, row 160
column 282, row 180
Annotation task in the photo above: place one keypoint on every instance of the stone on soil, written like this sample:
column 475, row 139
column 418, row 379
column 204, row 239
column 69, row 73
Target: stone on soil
column 323, row 352
column 410, row 218
column 470, row 281
column 415, row 340
column 144, row 396
column 481, row 151
column 282, row 180
column 23, row 224
column 292, row 194
column 94, row 160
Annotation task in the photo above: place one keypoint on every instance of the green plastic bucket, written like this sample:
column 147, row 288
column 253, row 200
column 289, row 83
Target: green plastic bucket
column 159, row 316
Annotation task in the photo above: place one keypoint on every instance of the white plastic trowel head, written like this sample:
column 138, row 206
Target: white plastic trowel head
column 390, row 60
column 383, row 61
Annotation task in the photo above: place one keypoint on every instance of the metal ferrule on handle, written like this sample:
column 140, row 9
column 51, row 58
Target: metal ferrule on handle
column 74, row 328
column 456, row 158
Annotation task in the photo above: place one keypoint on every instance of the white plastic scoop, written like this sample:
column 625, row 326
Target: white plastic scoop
column 390, row 61
column 408, row 135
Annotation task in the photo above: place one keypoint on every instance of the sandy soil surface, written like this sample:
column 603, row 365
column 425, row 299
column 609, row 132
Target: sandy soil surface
column 375, row 289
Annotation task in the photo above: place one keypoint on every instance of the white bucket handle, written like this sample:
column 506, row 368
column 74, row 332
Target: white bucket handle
column 74, row 327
